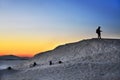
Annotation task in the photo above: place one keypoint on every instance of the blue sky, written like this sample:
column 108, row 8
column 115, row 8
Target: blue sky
column 57, row 21
column 61, row 16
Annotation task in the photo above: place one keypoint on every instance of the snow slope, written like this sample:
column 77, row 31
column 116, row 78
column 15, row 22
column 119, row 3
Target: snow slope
column 90, row 59
column 94, row 50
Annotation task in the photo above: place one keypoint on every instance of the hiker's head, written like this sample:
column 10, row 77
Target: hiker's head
column 99, row 27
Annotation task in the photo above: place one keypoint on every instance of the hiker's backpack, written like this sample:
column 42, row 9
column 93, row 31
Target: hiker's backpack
column 96, row 30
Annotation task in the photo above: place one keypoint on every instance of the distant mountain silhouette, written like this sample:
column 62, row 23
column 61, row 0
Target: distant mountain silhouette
column 11, row 57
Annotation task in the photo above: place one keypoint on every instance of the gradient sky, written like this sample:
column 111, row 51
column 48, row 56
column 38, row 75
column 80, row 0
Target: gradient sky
column 28, row 27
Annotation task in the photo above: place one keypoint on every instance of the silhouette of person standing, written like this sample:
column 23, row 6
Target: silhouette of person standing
column 98, row 31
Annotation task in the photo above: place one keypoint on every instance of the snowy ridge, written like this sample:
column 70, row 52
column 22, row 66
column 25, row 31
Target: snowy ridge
column 107, row 50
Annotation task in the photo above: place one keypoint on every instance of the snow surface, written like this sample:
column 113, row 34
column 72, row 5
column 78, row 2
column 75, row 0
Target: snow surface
column 90, row 59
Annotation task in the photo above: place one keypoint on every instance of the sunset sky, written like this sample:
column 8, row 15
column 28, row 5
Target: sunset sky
column 28, row 27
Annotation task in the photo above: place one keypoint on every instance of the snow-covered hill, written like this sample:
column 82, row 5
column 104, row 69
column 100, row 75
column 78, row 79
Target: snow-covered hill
column 92, row 50
column 90, row 59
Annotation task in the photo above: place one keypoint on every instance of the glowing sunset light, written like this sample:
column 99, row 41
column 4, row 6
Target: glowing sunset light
column 28, row 27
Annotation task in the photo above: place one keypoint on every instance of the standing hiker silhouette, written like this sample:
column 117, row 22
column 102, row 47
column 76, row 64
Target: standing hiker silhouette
column 98, row 31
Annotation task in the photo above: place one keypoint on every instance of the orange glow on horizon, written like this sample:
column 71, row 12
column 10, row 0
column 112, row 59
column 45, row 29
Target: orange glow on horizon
column 28, row 47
